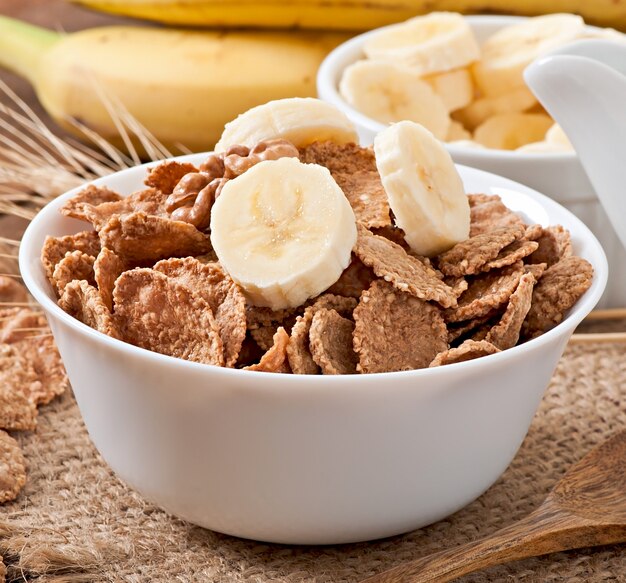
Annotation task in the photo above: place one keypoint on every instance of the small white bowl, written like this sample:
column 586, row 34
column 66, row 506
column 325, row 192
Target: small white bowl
column 558, row 175
column 307, row 459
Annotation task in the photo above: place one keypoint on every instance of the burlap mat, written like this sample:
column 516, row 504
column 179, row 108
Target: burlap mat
column 77, row 520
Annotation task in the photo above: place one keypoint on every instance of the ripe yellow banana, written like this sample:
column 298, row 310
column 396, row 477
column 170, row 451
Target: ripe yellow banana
column 181, row 85
column 343, row 14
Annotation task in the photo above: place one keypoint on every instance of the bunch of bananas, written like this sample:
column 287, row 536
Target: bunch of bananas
column 182, row 85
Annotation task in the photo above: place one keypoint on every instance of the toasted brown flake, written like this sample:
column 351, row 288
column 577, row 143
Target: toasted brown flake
column 396, row 331
column 356, row 278
column 331, row 342
column 507, row 332
column 457, row 284
column 354, row 169
column 298, row 350
column 533, row 232
column 557, row 291
column 511, row 254
column 537, row 269
column 393, row 233
column 460, row 329
column 149, row 201
column 11, row 291
column 404, row 272
column 138, row 237
column 75, row 265
column 468, row 257
column 89, row 197
column 84, row 302
column 488, row 212
column 107, row 267
column 486, row 292
column 250, row 352
column 3, row 570
column 275, row 359
column 264, row 322
column 554, row 244
column 223, row 295
column 469, row 350
column 160, row 314
column 55, row 248
column 264, row 336
column 19, row 323
column 166, row 175
column 12, row 472
column 17, row 411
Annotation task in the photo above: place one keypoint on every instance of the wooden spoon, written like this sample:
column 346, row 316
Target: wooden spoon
column 586, row 508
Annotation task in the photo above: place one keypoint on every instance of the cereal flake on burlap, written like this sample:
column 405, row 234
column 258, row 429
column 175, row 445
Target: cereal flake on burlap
column 560, row 287
column 506, row 333
column 469, row 350
column 138, row 237
column 12, row 472
column 488, row 212
column 160, row 314
column 77, row 206
column 55, row 248
column 223, row 295
column 75, row 265
column 486, row 292
column 330, row 341
column 84, row 302
column 470, row 256
column 166, row 175
column 275, row 359
column 19, row 323
column 17, row 411
column 396, row 331
column 554, row 244
column 404, row 272
column 107, row 267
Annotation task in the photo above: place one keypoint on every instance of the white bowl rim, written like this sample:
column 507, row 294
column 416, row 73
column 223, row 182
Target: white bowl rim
column 573, row 318
column 329, row 67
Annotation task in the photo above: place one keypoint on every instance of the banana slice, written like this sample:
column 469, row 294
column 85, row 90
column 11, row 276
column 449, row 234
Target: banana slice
column 457, row 133
column 437, row 42
column 509, row 131
column 390, row 93
column 455, row 88
column 467, row 144
column 509, row 51
column 301, row 120
column 424, row 188
column 284, row 231
column 556, row 135
column 543, row 147
column 483, row 108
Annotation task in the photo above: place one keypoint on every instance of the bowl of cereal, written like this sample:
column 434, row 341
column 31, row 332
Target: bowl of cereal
column 474, row 98
column 337, row 408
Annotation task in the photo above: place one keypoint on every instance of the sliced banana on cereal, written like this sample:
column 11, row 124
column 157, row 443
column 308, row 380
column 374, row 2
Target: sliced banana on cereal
column 509, row 51
column 425, row 190
column 555, row 135
column 284, row 231
column 389, row 93
column 509, row 131
column 439, row 41
column 301, row 120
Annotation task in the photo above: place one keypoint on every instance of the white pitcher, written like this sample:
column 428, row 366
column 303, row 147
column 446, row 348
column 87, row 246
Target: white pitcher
column 583, row 87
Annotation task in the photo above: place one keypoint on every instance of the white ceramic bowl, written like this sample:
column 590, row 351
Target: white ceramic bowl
column 558, row 175
column 307, row 459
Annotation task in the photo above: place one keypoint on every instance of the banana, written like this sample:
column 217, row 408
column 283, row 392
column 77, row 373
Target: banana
column 437, row 42
column 509, row 51
column 555, row 135
column 509, row 131
column 284, row 231
column 483, row 108
column 181, row 85
column 457, row 133
column 543, row 147
column 302, row 121
column 425, row 190
column 389, row 93
column 341, row 14
column 455, row 88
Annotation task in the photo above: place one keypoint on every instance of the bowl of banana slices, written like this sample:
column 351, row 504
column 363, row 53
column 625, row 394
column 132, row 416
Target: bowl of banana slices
column 257, row 347
column 462, row 77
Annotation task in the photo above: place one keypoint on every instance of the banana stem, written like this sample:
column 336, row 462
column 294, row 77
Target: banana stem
column 22, row 45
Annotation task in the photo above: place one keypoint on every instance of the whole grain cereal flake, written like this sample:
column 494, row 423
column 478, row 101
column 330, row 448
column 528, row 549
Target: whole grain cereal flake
column 107, row 267
column 75, row 265
column 84, row 302
column 77, row 206
column 223, row 295
column 12, row 472
column 166, row 175
column 275, row 359
column 554, row 244
column 488, row 212
column 469, row 256
column 396, row 331
column 404, row 272
column 156, row 312
column 17, row 411
column 511, row 253
column 355, row 279
column 469, row 350
column 330, row 340
column 55, row 248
